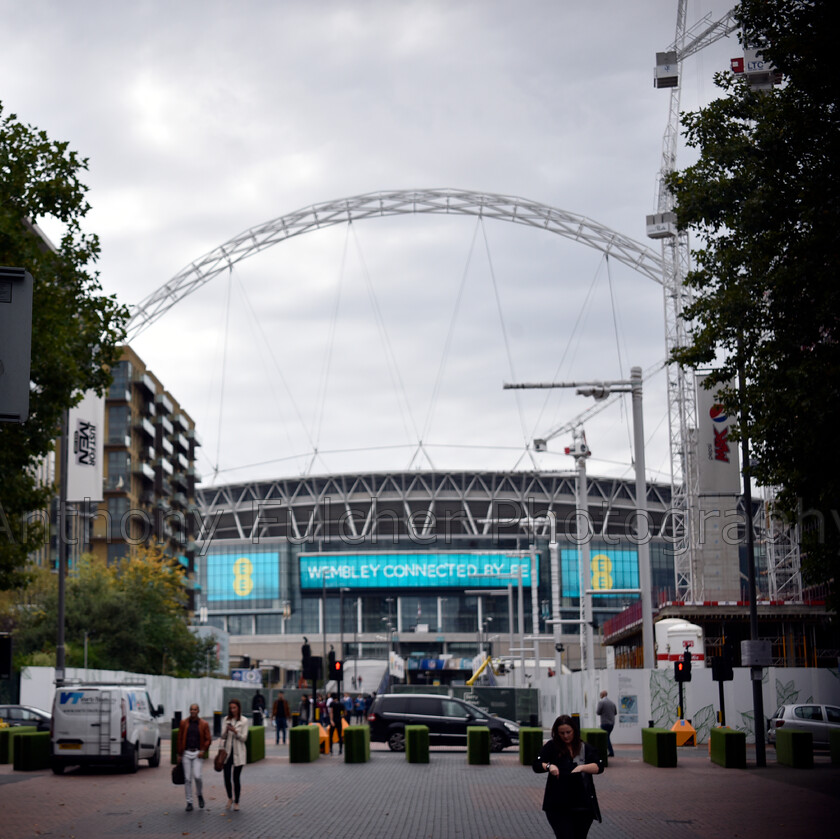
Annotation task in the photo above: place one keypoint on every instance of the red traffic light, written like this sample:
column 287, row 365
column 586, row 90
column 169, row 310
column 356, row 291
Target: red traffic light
column 338, row 669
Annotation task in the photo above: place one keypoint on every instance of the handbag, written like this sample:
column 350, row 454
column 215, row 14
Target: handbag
column 221, row 757
column 178, row 774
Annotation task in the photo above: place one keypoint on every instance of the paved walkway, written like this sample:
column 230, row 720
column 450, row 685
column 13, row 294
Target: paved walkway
column 391, row 799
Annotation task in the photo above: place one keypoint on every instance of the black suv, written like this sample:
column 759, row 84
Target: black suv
column 447, row 720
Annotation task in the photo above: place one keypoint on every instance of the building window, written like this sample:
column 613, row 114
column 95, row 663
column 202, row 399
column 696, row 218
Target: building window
column 118, row 470
column 117, row 511
column 241, row 624
column 118, row 423
column 122, row 373
column 269, row 624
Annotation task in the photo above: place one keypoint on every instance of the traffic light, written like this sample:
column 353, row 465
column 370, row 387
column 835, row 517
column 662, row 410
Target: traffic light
column 722, row 669
column 331, row 657
column 337, row 670
column 682, row 669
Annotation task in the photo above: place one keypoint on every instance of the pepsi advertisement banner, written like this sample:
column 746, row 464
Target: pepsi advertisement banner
column 609, row 569
column 414, row 570
column 243, row 576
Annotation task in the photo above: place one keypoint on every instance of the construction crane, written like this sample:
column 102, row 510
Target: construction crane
column 682, row 409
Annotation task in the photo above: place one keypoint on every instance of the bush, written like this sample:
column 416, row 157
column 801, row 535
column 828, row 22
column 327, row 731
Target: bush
column 32, row 751
column 255, row 744
column 417, row 743
column 530, row 743
column 728, row 748
column 304, row 743
column 597, row 738
column 659, row 747
column 795, row 748
column 478, row 745
column 356, row 744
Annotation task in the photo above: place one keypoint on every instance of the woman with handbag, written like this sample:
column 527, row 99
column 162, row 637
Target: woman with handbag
column 234, row 738
column 569, row 802
column 193, row 741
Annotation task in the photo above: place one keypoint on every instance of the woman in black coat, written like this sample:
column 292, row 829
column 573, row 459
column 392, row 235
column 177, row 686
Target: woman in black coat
column 569, row 801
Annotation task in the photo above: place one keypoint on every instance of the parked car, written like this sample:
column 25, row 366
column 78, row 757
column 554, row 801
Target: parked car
column 97, row 723
column 447, row 720
column 806, row 716
column 14, row 715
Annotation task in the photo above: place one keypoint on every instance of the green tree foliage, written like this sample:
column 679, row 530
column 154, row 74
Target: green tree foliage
column 76, row 330
column 133, row 612
column 764, row 199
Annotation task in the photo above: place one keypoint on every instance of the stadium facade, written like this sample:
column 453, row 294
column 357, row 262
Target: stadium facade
column 411, row 561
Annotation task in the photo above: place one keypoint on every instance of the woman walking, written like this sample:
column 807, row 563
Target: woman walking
column 569, row 801
column 235, row 736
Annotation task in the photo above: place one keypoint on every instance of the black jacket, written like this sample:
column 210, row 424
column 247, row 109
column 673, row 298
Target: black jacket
column 567, row 791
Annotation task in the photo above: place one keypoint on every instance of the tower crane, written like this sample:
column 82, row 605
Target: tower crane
column 682, row 409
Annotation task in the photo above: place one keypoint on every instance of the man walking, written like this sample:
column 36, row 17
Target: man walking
column 193, row 741
column 606, row 712
column 281, row 715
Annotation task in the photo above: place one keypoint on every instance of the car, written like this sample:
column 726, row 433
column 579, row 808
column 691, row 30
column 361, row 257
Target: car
column 15, row 715
column 805, row 716
column 446, row 718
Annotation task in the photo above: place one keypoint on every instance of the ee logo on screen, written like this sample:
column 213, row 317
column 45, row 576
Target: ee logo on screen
column 602, row 571
column 243, row 581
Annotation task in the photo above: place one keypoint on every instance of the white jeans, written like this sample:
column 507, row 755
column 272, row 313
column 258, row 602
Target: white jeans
column 191, row 760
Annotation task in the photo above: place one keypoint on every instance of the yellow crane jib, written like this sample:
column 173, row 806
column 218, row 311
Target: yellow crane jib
column 472, row 679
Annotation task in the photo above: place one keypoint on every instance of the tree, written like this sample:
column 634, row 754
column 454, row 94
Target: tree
column 133, row 612
column 765, row 201
column 76, row 330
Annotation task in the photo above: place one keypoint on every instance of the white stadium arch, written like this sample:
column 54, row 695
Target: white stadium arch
column 378, row 205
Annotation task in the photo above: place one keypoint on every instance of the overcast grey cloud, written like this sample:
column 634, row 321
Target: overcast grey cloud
column 202, row 119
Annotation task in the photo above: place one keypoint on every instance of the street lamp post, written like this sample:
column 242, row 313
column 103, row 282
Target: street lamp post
column 601, row 390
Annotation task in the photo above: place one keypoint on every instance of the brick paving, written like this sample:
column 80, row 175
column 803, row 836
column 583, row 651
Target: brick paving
column 391, row 799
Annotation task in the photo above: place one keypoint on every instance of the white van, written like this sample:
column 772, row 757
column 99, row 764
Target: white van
column 95, row 722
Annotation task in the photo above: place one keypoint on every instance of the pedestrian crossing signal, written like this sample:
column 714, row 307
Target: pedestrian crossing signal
column 338, row 670
column 682, row 669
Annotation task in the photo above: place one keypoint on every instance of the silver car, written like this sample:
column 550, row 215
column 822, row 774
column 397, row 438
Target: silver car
column 807, row 716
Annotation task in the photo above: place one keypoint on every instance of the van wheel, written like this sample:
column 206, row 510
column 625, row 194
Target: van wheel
column 154, row 760
column 497, row 741
column 396, row 741
column 133, row 760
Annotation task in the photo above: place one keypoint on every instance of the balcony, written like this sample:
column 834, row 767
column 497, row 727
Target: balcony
column 193, row 435
column 144, row 471
column 163, row 401
column 145, row 428
column 192, row 472
column 162, row 421
column 120, row 440
column 181, row 441
column 180, row 500
column 167, row 446
column 163, row 464
column 145, row 382
column 180, row 479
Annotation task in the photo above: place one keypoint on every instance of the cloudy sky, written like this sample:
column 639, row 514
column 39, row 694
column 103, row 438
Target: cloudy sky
column 204, row 118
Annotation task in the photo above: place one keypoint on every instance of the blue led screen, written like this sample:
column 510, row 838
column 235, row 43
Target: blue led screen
column 610, row 569
column 243, row 576
column 413, row 570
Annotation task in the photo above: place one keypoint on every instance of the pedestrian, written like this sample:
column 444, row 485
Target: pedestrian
column 258, row 707
column 606, row 712
column 335, row 712
column 569, row 800
column 303, row 710
column 280, row 712
column 193, row 741
column 359, row 709
column 235, row 736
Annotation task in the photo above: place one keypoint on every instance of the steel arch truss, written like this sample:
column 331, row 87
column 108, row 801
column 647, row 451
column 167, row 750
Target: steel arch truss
column 399, row 202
